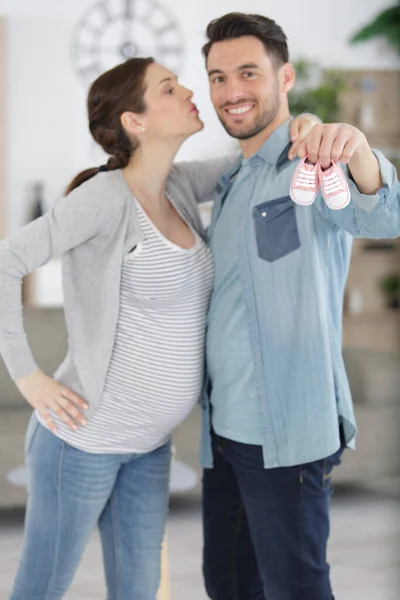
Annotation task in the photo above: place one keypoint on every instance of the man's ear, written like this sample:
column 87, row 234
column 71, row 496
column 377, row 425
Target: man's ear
column 287, row 77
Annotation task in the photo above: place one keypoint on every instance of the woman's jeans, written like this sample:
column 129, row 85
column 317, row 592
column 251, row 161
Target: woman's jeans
column 69, row 492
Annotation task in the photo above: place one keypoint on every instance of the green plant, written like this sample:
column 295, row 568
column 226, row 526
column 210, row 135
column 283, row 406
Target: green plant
column 386, row 24
column 390, row 285
column 321, row 100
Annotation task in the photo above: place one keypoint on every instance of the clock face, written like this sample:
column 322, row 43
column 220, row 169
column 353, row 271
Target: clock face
column 112, row 31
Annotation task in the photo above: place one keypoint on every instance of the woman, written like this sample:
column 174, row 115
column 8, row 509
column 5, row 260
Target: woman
column 137, row 277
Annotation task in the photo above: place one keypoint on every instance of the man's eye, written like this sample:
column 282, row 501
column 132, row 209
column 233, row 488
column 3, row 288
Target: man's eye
column 248, row 74
column 218, row 79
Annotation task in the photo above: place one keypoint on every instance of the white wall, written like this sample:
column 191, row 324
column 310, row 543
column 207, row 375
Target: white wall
column 46, row 135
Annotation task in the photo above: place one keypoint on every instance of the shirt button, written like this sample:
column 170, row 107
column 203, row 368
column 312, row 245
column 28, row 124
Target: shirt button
column 264, row 214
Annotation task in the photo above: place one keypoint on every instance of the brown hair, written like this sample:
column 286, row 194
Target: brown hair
column 110, row 95
column 235, row 25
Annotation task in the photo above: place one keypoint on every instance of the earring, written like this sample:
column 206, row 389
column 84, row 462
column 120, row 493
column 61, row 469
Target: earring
column 142, row 129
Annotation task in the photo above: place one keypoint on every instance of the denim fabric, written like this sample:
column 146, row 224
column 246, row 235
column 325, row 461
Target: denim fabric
column 69, row 493
column 292, row 265
column 276, row 228
column 235, row 412
column 265, row 530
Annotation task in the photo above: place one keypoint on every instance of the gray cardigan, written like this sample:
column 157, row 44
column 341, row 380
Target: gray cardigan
column 94, row 227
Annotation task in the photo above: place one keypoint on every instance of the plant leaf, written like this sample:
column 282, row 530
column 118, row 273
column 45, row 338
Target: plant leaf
column 386, row 24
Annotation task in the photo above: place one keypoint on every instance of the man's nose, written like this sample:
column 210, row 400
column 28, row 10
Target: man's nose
column 234, row 92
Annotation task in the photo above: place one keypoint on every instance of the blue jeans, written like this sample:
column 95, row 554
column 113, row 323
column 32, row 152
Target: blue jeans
column 69, row 492
column 265, row 530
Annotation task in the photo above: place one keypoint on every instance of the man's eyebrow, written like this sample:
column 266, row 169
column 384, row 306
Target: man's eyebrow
column 248, row 66
column 241, row 68
column 213, row 72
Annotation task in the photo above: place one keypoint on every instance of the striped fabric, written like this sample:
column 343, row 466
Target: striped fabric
column 155, row 374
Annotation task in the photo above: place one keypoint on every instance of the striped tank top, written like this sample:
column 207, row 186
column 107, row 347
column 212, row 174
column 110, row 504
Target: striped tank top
column 156, row 370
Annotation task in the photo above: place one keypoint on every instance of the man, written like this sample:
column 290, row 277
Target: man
column 278, row 411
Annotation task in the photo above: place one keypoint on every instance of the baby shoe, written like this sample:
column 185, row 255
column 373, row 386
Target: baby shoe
column 334, row 187
column 305, row 184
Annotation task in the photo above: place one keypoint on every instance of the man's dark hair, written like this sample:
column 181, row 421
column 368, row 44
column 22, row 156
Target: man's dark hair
column 236, row 25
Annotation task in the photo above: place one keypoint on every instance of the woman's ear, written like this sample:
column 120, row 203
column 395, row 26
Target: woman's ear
column 132, row 123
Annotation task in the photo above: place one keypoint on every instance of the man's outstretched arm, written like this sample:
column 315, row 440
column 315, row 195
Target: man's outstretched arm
column 374, row 210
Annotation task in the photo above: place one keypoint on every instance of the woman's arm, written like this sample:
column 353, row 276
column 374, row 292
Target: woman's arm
column 72, row 221
column 203, row 176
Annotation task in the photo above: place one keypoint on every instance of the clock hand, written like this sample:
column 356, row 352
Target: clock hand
column 129, row 10
column 128, row 20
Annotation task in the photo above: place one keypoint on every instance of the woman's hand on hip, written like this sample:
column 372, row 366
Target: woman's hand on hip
column 47, row 395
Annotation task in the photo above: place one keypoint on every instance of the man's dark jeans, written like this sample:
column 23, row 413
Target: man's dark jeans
column 265, row 530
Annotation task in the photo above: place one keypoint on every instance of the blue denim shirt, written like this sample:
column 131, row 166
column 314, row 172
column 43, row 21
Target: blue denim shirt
column 293, row 264
column 233, row 397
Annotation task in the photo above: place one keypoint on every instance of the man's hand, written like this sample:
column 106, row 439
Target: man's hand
column 300, row 127
column 47, row 395
column 335, row 142
column 339, row 142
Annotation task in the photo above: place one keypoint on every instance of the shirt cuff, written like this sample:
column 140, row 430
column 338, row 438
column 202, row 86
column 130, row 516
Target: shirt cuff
column 369, row 202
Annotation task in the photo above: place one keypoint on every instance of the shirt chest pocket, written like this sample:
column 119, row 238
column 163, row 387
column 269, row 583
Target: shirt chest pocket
column 276, row 228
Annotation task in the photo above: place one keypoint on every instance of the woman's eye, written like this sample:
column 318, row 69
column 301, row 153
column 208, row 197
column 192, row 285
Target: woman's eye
column 169, row 91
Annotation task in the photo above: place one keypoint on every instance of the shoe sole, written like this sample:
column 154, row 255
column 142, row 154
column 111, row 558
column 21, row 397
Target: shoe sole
column 332, row 207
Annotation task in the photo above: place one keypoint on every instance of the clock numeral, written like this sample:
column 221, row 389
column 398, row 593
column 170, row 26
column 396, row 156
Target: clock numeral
column 165, row 29
column 171, row 49
column 85, row 49
column 90, row 71
column 146, row 16
column 92, row 28
column 105, row 10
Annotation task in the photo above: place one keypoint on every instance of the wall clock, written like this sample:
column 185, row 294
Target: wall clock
column 112, row 31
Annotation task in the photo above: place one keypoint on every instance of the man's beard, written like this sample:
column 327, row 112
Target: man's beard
column 262, row 122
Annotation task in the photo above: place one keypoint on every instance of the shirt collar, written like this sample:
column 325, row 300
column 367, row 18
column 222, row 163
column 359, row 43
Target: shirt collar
column 226, row 178
column 274, row 150
column 274, row 147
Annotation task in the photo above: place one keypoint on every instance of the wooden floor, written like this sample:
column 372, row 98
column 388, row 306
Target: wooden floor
column 364, row 551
